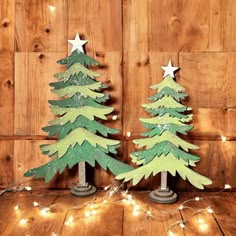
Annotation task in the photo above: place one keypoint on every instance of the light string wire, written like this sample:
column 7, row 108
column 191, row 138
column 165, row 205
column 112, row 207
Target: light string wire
column 125, row 197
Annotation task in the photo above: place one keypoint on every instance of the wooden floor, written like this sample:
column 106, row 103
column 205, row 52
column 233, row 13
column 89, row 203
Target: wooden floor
column 115, row 217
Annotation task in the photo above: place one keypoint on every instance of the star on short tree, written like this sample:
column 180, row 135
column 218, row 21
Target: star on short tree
column 77, row 43
column 169, row 69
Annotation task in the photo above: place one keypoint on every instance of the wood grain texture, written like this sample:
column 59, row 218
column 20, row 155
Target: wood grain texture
column 39, row 28
column 173, row 25
column 209, row 79
column 99, row 22
column 32, row 91
column 36, row 222
column 27, row 155
column 202, row 223
column 115, row 218
column 213, row 123
column 229, row 32
column 6, row 93
column 142, row 225
column 224, row 209
column 6, row 164
column 141, row 70
column 131, row 39
column 7, row 25
column 136, row 18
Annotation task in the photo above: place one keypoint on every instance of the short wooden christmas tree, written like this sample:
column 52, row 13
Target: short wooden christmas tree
column 164, row 150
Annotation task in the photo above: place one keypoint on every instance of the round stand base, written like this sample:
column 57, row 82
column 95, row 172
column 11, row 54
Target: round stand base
column 83, row 190
column 163, row 196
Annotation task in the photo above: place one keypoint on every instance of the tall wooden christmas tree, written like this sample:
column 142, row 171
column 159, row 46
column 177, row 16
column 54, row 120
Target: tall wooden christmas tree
column 164, row 150
column 81, row 137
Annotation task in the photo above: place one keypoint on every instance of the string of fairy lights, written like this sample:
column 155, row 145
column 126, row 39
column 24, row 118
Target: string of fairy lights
column 92, row 207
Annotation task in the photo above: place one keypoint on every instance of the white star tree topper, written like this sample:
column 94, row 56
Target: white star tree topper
column 77, row 43
column 169, row 69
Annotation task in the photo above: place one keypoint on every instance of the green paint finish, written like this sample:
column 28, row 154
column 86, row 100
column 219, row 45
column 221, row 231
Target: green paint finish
column 76, row 154
column 164, row 102
column 166, row 135
column 71, row 114
column 165, row 119
column 81, row 122
column 159, row 129
column 75, row 69
column 168, row 92
column 162, row 148
column 79, row 135
column 169, row 83
column 166, row 163
column 79, row 57
column 173, row 112
column 76, row 101
column 84, row 90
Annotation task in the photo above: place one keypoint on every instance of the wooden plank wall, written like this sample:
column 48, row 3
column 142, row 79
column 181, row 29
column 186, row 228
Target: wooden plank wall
column 131, row 39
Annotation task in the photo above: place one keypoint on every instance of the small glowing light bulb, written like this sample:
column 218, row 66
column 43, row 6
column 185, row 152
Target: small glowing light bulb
column 16, row 207
column 35, row 204
column 201, row 221
column 104, row 201
column 87, row 213
column 52, row 8
column 149, row 213
column 181, row 207
column 45, row 211
column 129, row 196
column 23, row 221
column 107, row 187
column 223, row 138
column 94, row 212
column 128, row 134
column 71, row 219
column 114, row 117
column 209, row 210
column 170, row 233
column 124, row 201
column 54, row 234
column 182, row 225
column 227, row 186
column 197, row 198
column 136, row 207
column 135, row 213
column 28, row 188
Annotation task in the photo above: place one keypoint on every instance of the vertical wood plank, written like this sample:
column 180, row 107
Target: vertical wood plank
column 229, row 31
column 6, row 93
column 7, row 24
column 6, row 164
column 136, row 25
column 99, row 22
column 41, row 26
column 32, row 91
column 165, row 25
column 27, row 155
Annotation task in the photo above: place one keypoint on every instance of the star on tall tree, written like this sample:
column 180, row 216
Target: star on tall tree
column 79, row 110
column 164, row 150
